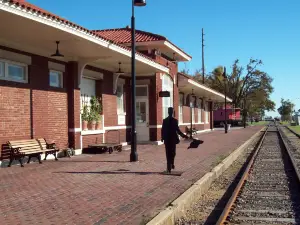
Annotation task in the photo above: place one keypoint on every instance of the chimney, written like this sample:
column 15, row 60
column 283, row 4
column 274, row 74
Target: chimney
column 127, row 27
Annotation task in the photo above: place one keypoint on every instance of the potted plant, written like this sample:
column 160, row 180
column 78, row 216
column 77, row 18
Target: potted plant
column 98, row 122
column 84, row 117
column 92, row 120
column 96, row 107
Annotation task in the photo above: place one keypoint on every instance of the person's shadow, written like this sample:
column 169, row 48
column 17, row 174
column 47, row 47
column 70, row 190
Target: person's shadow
column 122, row 171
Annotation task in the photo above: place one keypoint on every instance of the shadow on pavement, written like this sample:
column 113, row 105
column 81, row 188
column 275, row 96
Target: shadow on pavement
column 176, row 173
column 108, row 161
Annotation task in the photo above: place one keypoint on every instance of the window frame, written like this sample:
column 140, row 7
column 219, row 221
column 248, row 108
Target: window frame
column 6, row 76
column 206, row 112
column 61, row 79
column 199, row 105
column 180, row 107
column 167, row 87
column 193, row 106
column 120, row 111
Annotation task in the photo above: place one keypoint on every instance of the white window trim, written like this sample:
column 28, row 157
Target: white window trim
column 6, row 77
column 199, row 115
column 200, row 105
column 206, row 113
column 118, row 111
column 61, row 78
column 180, row 108
column 171, row 90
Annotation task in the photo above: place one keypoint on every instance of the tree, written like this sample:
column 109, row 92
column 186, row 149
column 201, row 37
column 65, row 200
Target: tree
column 249, row 88
column 286, row 109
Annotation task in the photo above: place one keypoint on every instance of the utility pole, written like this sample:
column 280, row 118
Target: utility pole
column 203, row 68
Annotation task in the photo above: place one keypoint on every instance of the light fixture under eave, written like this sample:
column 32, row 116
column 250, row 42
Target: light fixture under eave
column 57, row 53
column 120, row 72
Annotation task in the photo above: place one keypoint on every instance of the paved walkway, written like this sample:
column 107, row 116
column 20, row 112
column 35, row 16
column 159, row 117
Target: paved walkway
column 107, row 189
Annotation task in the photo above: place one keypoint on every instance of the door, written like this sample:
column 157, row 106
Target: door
column 142, row 120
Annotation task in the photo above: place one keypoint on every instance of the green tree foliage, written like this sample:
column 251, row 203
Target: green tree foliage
column 286, row 109
column 248, row 86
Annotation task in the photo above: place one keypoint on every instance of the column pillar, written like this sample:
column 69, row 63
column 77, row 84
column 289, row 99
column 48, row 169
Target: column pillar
column 74, row 125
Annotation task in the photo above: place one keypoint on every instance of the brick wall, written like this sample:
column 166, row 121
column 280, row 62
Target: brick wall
column 91, row 139
column 33, row 110
column 15, row 116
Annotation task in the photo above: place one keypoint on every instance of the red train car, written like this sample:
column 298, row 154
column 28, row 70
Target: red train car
column 233, row 116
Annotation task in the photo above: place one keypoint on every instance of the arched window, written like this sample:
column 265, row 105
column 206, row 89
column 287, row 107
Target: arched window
column 167, row 85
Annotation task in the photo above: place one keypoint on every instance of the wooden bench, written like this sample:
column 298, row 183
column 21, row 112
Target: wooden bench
column 31, row 148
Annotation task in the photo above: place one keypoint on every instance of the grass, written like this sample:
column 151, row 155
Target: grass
column 285, row 122
column 295, row 128
column 260, row 123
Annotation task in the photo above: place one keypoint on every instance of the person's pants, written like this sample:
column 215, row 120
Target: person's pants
column 170, row 154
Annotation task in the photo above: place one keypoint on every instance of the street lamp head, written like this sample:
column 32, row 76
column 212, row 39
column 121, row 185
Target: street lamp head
column 139, row 2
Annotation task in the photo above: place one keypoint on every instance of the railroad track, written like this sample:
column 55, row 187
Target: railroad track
column 269, row 189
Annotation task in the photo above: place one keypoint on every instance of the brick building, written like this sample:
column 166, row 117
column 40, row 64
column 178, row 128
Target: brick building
column 42, row 96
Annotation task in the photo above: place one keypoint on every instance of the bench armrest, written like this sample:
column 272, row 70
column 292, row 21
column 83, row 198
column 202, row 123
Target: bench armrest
column 15, row 151
column 51, row 146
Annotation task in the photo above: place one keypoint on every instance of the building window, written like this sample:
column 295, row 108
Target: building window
column 87, row 90
column 180, row 110
column 167, row 85
column 13, row 71
column 120, row 99
column 193, row 108
column 206, row 112
column 199, row 110
column 56, row 79
column 2, row 69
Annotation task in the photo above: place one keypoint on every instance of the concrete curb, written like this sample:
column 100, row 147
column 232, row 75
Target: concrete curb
column 169, row 215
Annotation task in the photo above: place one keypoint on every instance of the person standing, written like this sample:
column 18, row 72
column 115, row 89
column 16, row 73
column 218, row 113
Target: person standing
column 169, row 135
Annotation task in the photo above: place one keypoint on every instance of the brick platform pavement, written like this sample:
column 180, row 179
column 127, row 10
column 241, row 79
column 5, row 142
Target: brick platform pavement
column 107, row 189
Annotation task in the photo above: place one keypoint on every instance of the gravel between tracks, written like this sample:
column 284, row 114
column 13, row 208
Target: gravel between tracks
column 210, row 206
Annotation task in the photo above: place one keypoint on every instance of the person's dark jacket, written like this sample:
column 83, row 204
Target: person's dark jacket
column 170, row 131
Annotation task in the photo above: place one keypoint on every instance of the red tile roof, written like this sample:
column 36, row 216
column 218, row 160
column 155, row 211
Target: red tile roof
column 123, row 35
column 26, row 5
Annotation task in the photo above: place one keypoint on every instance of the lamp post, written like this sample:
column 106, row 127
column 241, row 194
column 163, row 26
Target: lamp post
column 133, row 154
column 191, row 112
column 225, row 93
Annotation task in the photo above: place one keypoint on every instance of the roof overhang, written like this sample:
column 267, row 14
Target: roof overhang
column 165, row 47
column 27, row 30
column 186, row 85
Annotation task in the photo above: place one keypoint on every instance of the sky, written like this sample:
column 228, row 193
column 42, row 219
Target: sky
column 234, row 29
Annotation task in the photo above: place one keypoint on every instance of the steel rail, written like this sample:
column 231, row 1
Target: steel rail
column 228, row 208
column 289, row 154
column 237, row 190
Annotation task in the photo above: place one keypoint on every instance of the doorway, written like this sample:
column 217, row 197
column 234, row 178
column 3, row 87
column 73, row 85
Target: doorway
column 142, row 113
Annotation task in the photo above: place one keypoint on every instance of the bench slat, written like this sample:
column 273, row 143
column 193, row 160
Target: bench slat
column 23, row 141
column 33, row 149
column 26, row 145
